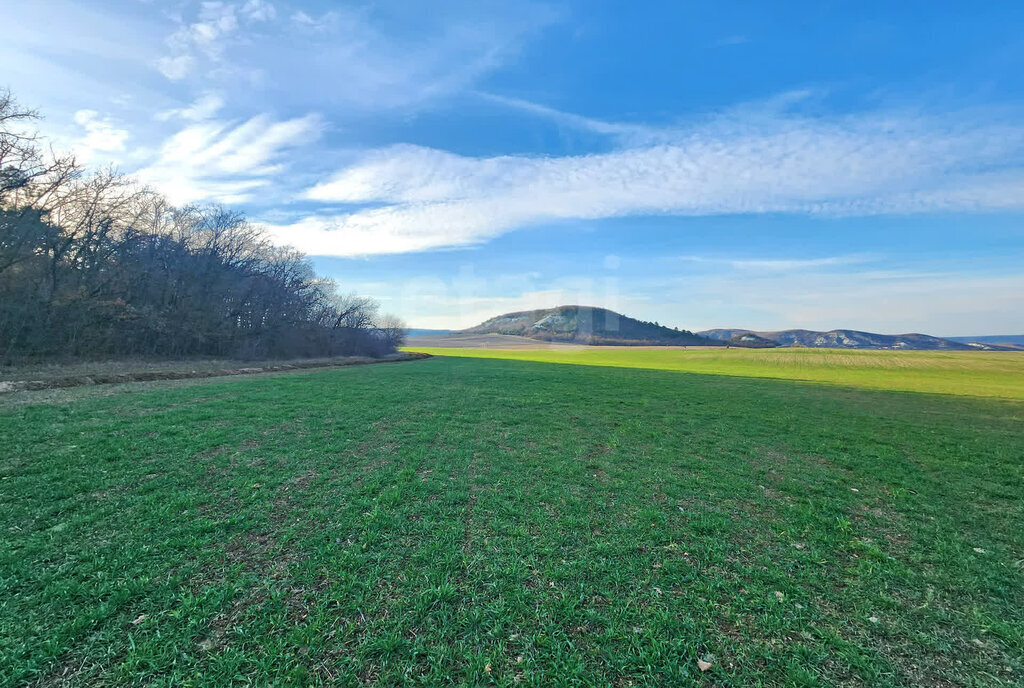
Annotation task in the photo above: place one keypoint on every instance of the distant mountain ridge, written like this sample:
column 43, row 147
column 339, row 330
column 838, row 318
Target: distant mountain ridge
column 586, row 325
column 842, row 339
column 600, row 326
column 1014, row 341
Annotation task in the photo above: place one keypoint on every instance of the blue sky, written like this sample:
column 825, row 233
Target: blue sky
column 718, row 164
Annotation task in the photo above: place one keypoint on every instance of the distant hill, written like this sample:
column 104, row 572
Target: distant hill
column 586, row 325
column 842, row 339
column 600, row 326
column 749, row 340
column 998, row 341
column 723, row 334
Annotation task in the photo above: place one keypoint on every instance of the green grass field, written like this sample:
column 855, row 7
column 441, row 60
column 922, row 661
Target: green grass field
column 478, row 522
column 977, row 373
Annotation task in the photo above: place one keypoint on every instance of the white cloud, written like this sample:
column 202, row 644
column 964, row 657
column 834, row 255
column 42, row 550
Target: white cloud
column 775, row 264
column 885, row 163
column 101, row 136
column 211, row 34
column 258, row 10
column 627, row 132
column 175, row 68
column 326, row 21
column 363, row 234
column 367, row 56
column 204, row 108
column 226, row 162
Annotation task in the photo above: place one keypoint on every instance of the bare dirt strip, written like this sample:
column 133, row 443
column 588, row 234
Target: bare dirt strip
column 39, row 377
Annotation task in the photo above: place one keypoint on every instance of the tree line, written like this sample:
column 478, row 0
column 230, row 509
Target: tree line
column 94, row 265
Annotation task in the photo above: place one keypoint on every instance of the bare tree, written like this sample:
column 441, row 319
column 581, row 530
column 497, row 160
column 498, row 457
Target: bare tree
column 20, row 157
column 97, row 265
column 355, row 312
column 392, row 331
column 26, row 176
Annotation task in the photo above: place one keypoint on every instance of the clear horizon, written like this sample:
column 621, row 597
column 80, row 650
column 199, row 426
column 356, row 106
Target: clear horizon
column 705, row 165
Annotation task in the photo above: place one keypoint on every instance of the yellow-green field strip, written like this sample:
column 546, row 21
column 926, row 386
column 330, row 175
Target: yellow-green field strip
column 967, row 373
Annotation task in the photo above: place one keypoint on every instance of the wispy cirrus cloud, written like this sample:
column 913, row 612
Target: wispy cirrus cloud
column 370, row 56
column 211, row 34
column 776, row 264
column 323, row 22
column 203, row 108
column 226, row 161
column 627, row 132
column 233, row 59
column 102, row 136
column 419, row 198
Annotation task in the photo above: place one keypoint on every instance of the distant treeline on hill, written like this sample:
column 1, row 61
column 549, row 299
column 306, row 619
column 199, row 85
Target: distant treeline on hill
column 92, row 265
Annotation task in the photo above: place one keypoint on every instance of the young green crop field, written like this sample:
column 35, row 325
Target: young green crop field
column 977, row 373
column 501, row 522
